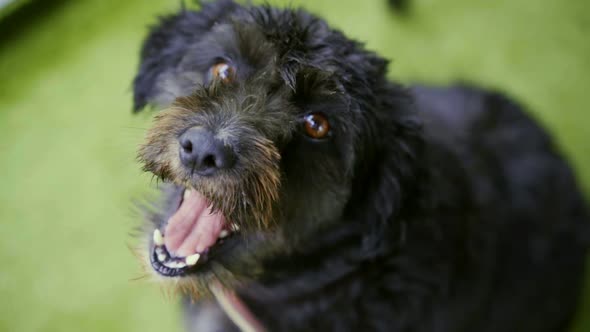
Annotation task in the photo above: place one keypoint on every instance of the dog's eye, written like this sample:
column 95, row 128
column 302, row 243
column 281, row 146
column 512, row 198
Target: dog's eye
column 223, row 72
column 316, row 125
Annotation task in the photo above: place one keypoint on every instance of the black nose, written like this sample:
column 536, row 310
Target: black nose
column 203, row 153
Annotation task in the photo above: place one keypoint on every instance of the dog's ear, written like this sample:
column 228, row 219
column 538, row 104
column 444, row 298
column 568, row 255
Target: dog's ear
column 168, row 42
column 389, row 165
column 401, row 144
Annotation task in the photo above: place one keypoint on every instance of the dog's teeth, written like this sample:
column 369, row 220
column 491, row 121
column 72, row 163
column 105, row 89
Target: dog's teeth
column 175, row 264
column 158, row 237
column 187, row 192
column 235, row 227
column 192, row 259
column 178, row 265
column 161, row 257
column 224, row 233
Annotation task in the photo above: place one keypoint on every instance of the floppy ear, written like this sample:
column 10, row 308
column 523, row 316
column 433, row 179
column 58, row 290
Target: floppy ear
column 389, row 166
column 401, row 145
column 168, row 41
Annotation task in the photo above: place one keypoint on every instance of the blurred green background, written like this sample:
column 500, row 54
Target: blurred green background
column 68, row 138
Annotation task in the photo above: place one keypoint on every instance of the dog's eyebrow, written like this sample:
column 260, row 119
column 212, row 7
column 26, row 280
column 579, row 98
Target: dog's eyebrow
column 310, row 82
column 288, row 73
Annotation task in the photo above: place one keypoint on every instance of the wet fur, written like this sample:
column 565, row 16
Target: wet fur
column 430, row 209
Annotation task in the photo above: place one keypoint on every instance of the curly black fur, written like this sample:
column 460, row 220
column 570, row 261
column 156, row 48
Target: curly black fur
column 428, row 209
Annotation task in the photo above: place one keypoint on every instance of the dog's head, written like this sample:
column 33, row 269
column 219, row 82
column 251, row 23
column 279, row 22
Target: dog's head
column 273, row 124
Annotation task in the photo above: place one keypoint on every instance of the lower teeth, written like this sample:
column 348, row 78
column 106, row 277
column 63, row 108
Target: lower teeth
column 179, row 263
column 192, row 259
column 172, row 263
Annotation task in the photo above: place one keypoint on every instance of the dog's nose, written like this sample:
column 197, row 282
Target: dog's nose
column 202, row 152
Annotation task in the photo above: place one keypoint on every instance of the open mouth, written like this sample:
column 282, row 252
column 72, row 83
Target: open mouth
column 191, row 236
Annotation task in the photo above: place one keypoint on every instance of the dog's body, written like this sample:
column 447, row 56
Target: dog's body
column 421, row 209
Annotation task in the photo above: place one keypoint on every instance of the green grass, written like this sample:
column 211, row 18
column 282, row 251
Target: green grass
column 68, row 139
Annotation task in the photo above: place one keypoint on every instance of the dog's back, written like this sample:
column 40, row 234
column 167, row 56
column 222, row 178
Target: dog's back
column 536, row 229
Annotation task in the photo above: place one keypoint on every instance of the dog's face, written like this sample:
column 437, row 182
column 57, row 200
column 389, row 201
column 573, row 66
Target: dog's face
column 263, row 131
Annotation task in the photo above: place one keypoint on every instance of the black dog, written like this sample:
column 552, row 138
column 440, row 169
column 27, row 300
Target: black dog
column 308, row 193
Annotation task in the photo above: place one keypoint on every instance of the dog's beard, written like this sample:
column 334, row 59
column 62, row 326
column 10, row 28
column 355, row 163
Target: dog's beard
column 194, row 240
column 245, row 195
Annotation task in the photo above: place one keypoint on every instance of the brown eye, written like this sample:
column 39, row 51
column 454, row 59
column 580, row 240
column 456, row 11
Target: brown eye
column 316, row 126
column 223, row 71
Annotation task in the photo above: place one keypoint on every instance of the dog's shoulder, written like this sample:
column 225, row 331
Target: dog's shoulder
column 458, row 112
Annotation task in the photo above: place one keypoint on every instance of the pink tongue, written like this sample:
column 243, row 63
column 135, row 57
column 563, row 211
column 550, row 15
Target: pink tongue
column 193, row 228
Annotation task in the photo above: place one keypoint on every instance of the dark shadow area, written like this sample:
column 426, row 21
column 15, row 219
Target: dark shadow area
column 25, row 19
column 400, row 7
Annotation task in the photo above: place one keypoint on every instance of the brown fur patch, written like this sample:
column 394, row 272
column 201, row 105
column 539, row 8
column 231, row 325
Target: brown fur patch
column 245, row 195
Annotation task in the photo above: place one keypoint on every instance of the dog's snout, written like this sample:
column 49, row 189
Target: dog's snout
column 201, row 152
